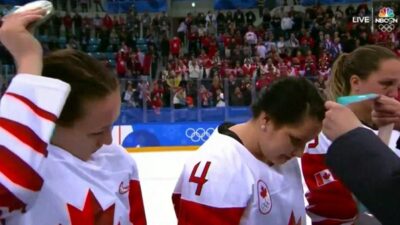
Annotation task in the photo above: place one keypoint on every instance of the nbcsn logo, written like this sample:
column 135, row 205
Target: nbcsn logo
column 386, row 21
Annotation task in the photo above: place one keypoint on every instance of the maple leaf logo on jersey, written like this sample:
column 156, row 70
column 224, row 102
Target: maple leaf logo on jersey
column 264, row 198
column 324, row 177
column 292, row 220
column 92, row 213
column 263, row 192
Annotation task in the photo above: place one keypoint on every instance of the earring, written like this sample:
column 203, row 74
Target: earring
column 263, row 127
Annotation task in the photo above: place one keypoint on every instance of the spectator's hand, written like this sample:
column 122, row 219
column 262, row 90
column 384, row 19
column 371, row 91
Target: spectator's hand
column 338, row 120
column 22, row 45
column 386, row 111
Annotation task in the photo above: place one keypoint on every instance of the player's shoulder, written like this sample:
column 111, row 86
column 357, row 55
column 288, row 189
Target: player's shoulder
column 221, row 150
column 319, row 145
column 216, row 176
column 220, row 155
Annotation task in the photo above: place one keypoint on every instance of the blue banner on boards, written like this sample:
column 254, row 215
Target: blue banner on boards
column 151, row 5
column 331, row 2
column 165, row 134
column 234, row 4
column 123, row 6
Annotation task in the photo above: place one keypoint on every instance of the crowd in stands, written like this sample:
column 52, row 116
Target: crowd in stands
column 214, row 58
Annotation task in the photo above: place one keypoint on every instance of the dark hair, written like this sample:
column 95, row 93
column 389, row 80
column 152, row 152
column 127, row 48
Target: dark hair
column 88, row 77
column 361, row 62
column 289, row 100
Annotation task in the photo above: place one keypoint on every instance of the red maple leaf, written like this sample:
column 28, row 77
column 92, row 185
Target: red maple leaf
column 292, row 220
column 263, row 192
column 326, row 176
column 92, row 213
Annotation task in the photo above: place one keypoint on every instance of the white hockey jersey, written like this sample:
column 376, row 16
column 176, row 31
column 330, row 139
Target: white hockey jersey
column 43, row 184
column 224, row 184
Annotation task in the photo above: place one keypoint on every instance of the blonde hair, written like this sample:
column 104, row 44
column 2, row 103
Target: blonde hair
column 361, row 62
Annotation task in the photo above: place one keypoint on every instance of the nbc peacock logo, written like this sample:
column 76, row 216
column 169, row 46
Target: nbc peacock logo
column 386, row 12
column 386, row 20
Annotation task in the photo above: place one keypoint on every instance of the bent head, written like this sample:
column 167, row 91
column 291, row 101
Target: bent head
column 91, row 108
column 289, row 114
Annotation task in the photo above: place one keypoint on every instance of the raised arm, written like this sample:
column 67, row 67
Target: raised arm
column 28, row 111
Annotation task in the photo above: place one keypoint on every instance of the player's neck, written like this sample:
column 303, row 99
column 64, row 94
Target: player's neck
column 248, row 133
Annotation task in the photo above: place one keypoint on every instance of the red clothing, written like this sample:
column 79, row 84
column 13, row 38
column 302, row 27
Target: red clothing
column 107, row 22
column 175, row 46
column 330, row 202
column 263, row 82
column 248, row 70
column 121, row 67
column 67, row 21
column 283, row 69
column 309, row 41
column 205, row 42
column 227, row 40
column 212, row 49
column 147, row 64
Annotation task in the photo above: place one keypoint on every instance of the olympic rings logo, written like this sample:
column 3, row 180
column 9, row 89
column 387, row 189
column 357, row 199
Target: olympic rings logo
column 386, row 27
column 199, row 134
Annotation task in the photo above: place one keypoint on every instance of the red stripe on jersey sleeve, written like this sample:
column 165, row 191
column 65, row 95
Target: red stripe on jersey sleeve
column 176, row 199
column 192, row 213
column 25, row 135
column 18, row 171
column 40, row 112
column 9, row 201
column 332, row 200
column 137, row 214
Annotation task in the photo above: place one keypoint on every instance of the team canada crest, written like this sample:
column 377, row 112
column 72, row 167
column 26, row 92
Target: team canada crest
column 264, row 197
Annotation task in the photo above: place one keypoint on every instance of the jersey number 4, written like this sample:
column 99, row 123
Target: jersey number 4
column 200, row 181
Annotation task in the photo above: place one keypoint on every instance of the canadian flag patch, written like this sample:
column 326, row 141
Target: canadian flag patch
column 323, row 177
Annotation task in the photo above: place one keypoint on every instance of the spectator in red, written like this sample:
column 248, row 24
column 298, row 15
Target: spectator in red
column 184, row 68
column 108, row 22
column 324, row 65
column 207, row 65
column 264, row 81
column 156, row 104
column 121, row 64
column 310, row 57
column 310, row 70
column 205, row 42
column 274, row 54
column 306, row 41
column 212, row 48
column 223, row 68
column 283, row 68
column 68, row 24
column 158, row 89
column 175, row 45
column 248, row 69
column 237, row 69
column 147, row 63
column 227, row 40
